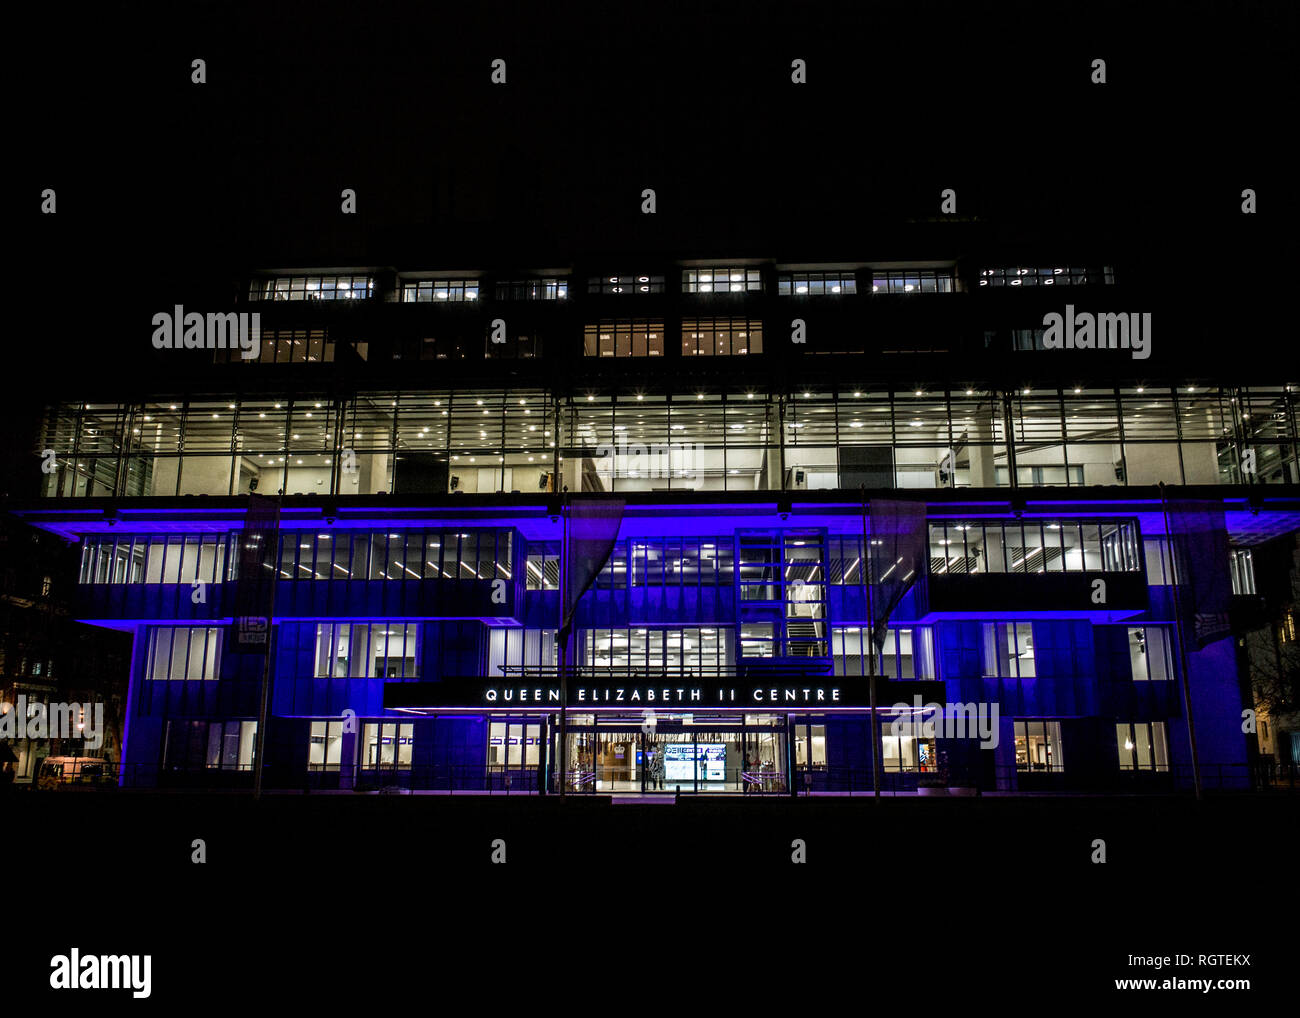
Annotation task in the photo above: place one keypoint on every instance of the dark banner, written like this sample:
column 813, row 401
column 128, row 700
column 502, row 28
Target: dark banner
column 593, row 530
column 787, row 693
column 255, row 586
column 897, row 557
column 1199, row 537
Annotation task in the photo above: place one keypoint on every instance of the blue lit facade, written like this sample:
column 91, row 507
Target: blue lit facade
column 424, row 456
column 375, row 609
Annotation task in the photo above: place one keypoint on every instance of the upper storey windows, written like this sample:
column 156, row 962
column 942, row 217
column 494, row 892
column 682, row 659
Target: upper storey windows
column 543, row 288
column 426, row 291
column 913, row 281
column 312, row 288
column 814, row 283
column 1049, row 276
column 625, row 284
column 723, row 280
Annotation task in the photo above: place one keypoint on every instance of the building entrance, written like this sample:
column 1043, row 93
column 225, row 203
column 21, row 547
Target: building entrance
column 675, row 754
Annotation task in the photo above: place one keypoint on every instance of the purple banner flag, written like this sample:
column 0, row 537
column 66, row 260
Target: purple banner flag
column 593, row 531
column 896, row 557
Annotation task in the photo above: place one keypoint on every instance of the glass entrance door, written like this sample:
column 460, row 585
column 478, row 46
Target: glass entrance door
column 675, row 756
column 618, row 761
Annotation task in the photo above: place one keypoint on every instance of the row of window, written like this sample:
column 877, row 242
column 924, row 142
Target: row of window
column 231, row 745
column 1034, row 546
column 734, row 279
column 391, row 650
column 516, row 744
column 979, row 547
column 1047, row 276
column 303, row 555
column 511, row 440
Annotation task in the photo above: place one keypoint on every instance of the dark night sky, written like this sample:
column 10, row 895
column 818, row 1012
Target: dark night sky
column 603, row 99
column 168, row 189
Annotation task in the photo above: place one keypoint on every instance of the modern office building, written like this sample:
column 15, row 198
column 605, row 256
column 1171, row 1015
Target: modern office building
column 427, row 433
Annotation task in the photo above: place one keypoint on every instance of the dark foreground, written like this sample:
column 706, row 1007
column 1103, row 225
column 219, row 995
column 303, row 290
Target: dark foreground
column 346, row 898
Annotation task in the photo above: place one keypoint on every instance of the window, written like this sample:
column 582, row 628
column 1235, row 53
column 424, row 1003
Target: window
column 1009, row 650
column 909, row 751
column 387, row 744
column 756, row 640
column 1243, row 571
column 311, row 288
column 287, row 346
column 1038, row 746
column 432, row 290
column 515, row 650
column 636, row 337
column 908, row 652
column 1034, row 546
column 1149, row 654
column 810, row 746
column 694, row 650
column 183, row 652
column 543, row 568
column 326, row 750
column 815, row 283
column 544, row 288
column 735, row 280
column 1019, row 276
column 513, row 745
column 399, row 555
column 913, row 281
column 760, row 568
column 140, row 558
column 512, row 346
column 1142, row 746
column 721, row 337
column 625, row 284
column 383, row 650
column 210, row 745
column 688, row 562
column 844, row 561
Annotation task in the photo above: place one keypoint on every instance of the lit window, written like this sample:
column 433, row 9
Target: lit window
column 913, row 281
column 637, row 337
column 813, row 284
column 311, row 288
column 624, row 285
column 1142, row 746
column 387, row 745
column 439, row 291
column 1047, row 276
column 733, row 280
column 325, row 752
column 1038, row 746
column 721, row 337
column 1150, row 659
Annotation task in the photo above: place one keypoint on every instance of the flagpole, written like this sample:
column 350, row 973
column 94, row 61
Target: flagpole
column 564, row 648
column 871, row 646
column 1182, row 644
